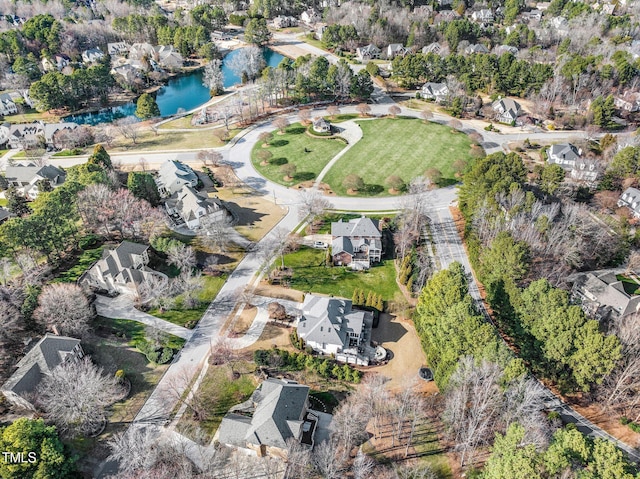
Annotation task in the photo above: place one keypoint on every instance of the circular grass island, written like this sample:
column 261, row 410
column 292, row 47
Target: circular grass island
column 391, row 149
column 309, row 155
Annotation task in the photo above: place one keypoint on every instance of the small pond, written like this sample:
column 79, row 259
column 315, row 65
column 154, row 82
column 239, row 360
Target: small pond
column 184, row 92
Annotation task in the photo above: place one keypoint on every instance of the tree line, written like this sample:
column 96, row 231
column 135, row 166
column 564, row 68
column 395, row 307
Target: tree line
column 502, row 74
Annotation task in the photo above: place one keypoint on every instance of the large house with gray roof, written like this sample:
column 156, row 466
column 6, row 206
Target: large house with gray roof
column 188, row 207
column 631, row 199
column 121, row 270
column 173, row 175
column 26, row 178
column 40, row 361
column 603, row 296
column 277, row 412
column 356, row 243
column 331, row 326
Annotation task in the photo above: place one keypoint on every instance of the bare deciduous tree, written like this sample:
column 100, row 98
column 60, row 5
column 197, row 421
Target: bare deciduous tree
column 363, row 109
column 426, row 115
column 312, row 204
column 281, row 123
column 333, row 110
column 277, row 311
column 304, row 116
column 325, row 460
column 394, row 110
column 76, row 395
column 210, row 157
column 215, row 232
column 134, row 449
column 129, row 128
column 181, row 256
column 362, row 466
column 65, row 307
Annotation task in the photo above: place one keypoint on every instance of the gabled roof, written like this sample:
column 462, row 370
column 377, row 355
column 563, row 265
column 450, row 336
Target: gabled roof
column 48, row 353
column 341, row 244
column 368, row 50
column 434, row 47
column 507, row 105
column 438, row 89
column 188, row 201
column 26, row 174
column 564, row 152
column 275, row 416
column 362, row 226
column 607, row 290
column 172, row 170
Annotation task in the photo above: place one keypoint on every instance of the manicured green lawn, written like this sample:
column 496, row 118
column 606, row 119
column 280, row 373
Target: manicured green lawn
column 629, row 284
column 86, row 259
column 309, row 155
column 219, row 392
column 132, row 331
column 311, row 274
column 189, row 317
column 402, row 147
column 3, row 202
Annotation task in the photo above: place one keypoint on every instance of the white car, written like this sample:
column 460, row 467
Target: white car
column 320, row 245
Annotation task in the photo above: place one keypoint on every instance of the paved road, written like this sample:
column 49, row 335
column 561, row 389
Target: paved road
column 449, row 248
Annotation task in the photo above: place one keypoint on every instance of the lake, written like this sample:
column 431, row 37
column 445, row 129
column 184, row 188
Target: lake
column 184, row 92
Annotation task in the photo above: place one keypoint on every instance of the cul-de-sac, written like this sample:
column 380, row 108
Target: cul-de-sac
column 322, row 239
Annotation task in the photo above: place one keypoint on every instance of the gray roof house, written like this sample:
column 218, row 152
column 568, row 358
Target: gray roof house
column 25, row 178
column 321, row 125
column 507, row 110
column 356, row 243
column 277, row 411
column 586, row 170
column 476, row 48
column 92, row 55
column 189, row 206
column 173, row 175
column 121, row 269
column 395, row 49
column 40, row 361
column 602, row 296
column 168, row 57
column 563, row 154
column 330, row 326
column 435, row 91
column 29, row 135
column 502, row 49
column 631, row 199
column 4, row 215
column 434, row 47
column 7, row 105
column 117, row 48
column 368, row 52
column 484, row 16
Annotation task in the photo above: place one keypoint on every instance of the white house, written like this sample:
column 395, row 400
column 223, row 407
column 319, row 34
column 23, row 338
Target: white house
column 434, row 47
column 502, row 49
column 310, row 16
column 330, row 326
column 483, row 16
column 563, row 154
column 435, row 91
column 92, row 55
column 117, row 48
column 630, row 102
column 321, row 125
column 586, row 170
column 507, row 110
column 368, row 52
column 282, row 21
column 56, row 63
column 190, row 207
column 25, row 178
column 356, row 243
column 476, row 48
column 173, row 175
column 7, row 105
column 631, row 199
column 122, row 269
column 395, row 49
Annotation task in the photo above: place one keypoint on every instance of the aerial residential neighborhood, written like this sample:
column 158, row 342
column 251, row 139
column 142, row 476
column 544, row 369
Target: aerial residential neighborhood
column 319, row 240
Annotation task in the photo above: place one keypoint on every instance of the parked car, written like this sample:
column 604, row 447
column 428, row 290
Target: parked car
column 320, row 245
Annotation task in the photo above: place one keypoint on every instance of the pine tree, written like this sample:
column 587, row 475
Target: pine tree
column 379, row 303
column 147, row 107
column 369, row 299
column 354, row 296
column 17, row 203
column 100, row 157
column 360, row 297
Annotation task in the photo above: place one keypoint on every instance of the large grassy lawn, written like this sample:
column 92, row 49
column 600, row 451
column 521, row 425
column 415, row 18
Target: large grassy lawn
column 84, row 261
column 189, row 317
column 220, row 391
column 402, row 147
column 309, row 155
column 311, row 274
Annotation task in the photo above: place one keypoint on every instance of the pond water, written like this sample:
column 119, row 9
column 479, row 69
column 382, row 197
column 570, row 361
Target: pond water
column 185, row 92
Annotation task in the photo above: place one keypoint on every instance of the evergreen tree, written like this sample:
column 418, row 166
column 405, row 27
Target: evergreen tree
column 100, row 157
column 17, row 203
column 142, row 185
column 147, row 107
